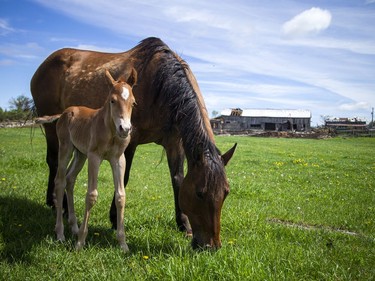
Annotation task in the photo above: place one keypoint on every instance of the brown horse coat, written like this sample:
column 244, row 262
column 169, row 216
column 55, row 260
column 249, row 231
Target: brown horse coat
column 101, row 134
column 170, row 111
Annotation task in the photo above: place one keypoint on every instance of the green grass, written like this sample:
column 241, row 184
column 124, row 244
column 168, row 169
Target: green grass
column 298, row 210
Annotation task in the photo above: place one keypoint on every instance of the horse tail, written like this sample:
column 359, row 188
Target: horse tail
column 47, row 119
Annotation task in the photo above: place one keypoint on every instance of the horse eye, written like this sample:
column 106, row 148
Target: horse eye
column 112, row 101
column 199, row 194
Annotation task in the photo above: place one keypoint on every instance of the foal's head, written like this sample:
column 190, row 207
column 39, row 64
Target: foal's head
column 121, row 101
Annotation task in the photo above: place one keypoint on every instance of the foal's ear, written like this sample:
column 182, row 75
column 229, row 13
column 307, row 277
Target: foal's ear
column 132, row 79
column 109, row 77
column 228, row 155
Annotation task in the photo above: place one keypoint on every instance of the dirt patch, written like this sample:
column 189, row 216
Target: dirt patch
column 305, row 226
column 313, row 134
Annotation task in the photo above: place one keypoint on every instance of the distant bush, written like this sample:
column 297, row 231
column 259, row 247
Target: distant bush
column 14, row 115
column 21, row 109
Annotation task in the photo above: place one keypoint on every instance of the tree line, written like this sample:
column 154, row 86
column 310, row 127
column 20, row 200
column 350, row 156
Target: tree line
column 21, row 108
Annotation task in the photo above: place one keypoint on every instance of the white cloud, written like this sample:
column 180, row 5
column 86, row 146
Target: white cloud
column 354, row 106
column 63, row 39
column 6, row 62
column 5, row 28
column 98, row 48
column 308, row 22
column 27, row 51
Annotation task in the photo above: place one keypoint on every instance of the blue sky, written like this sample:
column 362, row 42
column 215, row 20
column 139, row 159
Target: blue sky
column 316, row 55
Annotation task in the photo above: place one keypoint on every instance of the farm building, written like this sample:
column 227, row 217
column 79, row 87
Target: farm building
column 344, row 125
column 242, row 121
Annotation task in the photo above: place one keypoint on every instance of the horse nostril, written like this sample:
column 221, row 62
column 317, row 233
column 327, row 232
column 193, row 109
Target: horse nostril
column 124, row 131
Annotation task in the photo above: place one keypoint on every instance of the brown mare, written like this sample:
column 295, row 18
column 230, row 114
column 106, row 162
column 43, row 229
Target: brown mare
column 101, row 134
column 170, row 111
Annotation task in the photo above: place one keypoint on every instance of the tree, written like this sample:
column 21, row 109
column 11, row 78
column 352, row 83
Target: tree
column 214, row 113
column 21, row 103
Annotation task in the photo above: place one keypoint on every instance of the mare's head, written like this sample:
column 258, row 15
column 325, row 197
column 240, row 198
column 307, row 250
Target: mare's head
column 202, row 194
column 121, row 101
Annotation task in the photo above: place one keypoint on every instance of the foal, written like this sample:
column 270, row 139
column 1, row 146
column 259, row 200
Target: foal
column 94, row 134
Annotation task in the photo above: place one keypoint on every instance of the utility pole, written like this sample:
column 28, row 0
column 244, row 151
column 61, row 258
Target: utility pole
column 372, row 118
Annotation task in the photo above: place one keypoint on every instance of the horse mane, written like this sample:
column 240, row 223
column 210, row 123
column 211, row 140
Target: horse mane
column 173, row 87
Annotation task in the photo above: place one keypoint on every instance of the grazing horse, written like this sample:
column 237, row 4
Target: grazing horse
column 170, row 111
column 97, row 135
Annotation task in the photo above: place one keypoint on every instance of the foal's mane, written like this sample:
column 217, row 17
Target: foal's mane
column 173, row 87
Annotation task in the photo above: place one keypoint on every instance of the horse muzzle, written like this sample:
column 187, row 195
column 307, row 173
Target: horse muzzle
column 124, row 131
column 212, row 244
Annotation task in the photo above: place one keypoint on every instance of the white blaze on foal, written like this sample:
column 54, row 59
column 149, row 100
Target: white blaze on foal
column 123, row 122
column 101, row 134
column 125, row 93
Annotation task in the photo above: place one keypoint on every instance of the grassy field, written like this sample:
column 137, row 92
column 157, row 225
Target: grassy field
column 298, row 210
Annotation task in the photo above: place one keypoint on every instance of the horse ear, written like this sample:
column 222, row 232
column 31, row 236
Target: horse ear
column 109, row 77
column 228, row 155
column 132, row 79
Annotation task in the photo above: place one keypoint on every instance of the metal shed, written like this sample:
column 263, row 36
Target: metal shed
column 239, row 121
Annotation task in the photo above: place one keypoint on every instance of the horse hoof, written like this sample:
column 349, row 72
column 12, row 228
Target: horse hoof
column 189, row 233
column 124, row 247
column 79, row 246
column 60, row 238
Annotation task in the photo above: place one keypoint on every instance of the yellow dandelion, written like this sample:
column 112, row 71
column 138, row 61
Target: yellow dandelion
column 146, row 257
column 232, row 241
column 278, row 164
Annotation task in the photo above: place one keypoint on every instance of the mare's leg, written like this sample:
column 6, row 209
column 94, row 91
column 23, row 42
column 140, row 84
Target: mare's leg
column 91, row 196
column 118, row 171
column 65, row 154
column 129, row 154
column 52, row 160
column 75, row 167
column 176, row 158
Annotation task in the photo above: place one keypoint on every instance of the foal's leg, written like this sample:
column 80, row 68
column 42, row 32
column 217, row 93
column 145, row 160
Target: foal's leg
column 75, row 167
column 65, row 154
column 129, row 155
column 91, row 196
column 118, row 171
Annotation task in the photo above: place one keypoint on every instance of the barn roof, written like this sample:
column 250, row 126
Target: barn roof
column 285, row 113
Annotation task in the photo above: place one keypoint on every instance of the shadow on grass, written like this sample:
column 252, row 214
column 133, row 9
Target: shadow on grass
column 144, row 236
column 23, row 223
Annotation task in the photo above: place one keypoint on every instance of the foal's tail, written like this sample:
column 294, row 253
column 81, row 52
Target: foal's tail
column 47, row 119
